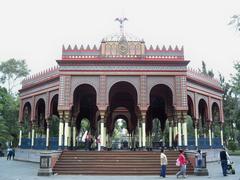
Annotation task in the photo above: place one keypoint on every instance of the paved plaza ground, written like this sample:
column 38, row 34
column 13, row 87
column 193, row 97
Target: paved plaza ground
column 17, row 170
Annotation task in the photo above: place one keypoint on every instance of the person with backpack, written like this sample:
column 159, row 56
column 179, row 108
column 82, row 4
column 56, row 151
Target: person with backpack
column 182, row 162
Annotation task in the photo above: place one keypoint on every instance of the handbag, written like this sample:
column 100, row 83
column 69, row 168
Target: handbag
column 177, row 162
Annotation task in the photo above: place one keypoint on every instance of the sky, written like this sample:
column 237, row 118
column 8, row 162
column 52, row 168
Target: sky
column 35, row 30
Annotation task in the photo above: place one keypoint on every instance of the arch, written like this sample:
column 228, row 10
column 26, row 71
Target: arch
column 122, row 99
column 123, row 88
column 203, row 116
column 133, row 81
column 40, row 115
column 84, row 105
column 216, row 121
column 54, row 106
column 191, row 111
column 167, row 81
column 27, row 110
column 161, row 103
column 77, row 81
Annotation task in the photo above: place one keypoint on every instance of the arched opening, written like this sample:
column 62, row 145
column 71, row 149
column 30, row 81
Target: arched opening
column 190, row 118
column 122, row 105
column 84, row 111
column 161, row 103
column 40, row 118
column 215, row 120
column 120, row 135
column 26, row 127
column 54, row 117
column 203, row 116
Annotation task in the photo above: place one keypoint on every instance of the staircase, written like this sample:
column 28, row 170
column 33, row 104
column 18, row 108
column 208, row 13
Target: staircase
column 115, row 163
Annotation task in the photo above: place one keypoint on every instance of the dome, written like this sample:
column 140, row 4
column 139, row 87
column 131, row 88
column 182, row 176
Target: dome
column 118, row 37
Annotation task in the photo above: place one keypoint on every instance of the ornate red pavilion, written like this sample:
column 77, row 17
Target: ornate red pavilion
column 122, row 79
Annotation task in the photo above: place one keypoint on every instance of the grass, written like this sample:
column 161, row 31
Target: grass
column 234, row 153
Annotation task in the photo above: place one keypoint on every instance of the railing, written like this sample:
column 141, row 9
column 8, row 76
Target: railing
column 203, row 143
column 39, row 143
column 26, row 143
column 53, row 143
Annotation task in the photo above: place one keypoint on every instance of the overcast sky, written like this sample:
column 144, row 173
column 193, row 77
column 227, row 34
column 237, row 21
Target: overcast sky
column 36, row 30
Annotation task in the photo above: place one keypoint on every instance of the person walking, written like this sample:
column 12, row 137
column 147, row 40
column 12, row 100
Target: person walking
column 223, row 159
column 164, row 162
column 182, row 163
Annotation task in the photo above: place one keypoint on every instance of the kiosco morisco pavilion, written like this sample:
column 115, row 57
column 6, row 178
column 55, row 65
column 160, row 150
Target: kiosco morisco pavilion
column 121, row 78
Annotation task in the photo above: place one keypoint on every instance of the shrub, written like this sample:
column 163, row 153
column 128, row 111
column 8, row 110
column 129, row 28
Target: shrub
column 232, row 145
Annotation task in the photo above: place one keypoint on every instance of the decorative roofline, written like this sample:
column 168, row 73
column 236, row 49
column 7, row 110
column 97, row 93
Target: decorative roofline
column 164, row 49
column 196, row 74
column 35, row 78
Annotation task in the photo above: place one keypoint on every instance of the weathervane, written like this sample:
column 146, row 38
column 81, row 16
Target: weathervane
column 121, row 21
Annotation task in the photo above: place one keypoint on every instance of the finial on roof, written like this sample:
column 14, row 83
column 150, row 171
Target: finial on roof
column 75, row 47
column 121, row 21
column 69, row 47
column 163, row 48
column 81, row 48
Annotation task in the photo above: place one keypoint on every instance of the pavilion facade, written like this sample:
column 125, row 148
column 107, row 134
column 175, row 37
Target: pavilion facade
column 121, row 79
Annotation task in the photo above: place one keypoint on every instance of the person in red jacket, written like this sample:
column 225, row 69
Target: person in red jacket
column 183, row 164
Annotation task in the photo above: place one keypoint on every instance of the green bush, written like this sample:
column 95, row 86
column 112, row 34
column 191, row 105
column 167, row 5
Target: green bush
column 232, row 146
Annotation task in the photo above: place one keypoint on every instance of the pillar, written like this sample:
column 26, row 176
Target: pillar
column 184, row 129
column 33, row 134
column 20, row 135
column 47, row 135
column 170, row 133
column 102, row 130
column 74, row 132
column 66, row 129
column 60, row 132
column 143, row 130
column 221, row 133
column 140, row 135
column 179, row 128
column 210, row 134
column 196, row 131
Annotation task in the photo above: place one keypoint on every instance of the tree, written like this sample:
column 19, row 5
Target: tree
column 8, row 117
column 205, row 71
column 235, row 20
column 13, row 70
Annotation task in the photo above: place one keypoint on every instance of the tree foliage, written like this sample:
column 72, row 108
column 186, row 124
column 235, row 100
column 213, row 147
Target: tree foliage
column 9, row 106
column 205, row 71
column 12, row 71
column 235, row 21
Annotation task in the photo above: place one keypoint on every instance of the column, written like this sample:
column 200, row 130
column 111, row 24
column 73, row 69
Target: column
column 33, row 134
column 66, row 129
column 60, row 132
column 196, row 131
column 143, row 130
column 47, row 135
column 20, row 136
column 102, row 131
column 210, row 134
column 139, row 134
column 221, row 134
column 184, row 129
column 170, row 132
column 74, row 131
column 179, row 129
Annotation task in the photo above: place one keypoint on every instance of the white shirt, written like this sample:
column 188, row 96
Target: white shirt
column 163, row 159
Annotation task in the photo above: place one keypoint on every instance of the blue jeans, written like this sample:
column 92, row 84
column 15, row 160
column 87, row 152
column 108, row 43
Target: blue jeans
column 199, row 163
column 224, row 167
column 163, row 170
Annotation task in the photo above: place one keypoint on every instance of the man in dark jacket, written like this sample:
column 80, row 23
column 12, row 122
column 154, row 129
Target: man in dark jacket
column 223, row 159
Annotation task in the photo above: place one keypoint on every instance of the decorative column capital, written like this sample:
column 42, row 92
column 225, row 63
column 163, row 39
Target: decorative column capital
column 66, row 116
